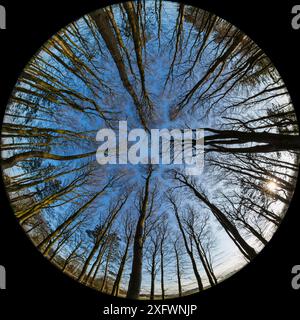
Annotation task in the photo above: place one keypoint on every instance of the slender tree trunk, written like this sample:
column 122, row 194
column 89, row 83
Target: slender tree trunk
column 209, row 265
column 106, row 271
column 188, row 250
column 204, row 263
column 220, row 61
column 101, row 19
column 247, row 250
column 25, row 214
column 71, row 255
column 136, row 35
column 135, row 280
column 178, row 272
column 116, row 286
column 96, row 264
column 11, row 161
column 162, row 280
column 273, row 142
column 72, row 218
column 255, row 233
column 153, row 276
column 111, row 218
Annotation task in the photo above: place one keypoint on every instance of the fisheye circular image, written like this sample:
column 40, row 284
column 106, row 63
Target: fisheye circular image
column 150, row 150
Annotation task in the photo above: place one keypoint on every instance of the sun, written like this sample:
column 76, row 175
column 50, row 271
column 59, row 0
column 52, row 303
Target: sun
column 271, row 186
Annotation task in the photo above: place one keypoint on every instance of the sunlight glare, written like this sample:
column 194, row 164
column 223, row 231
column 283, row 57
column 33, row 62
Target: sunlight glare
column 271, row 186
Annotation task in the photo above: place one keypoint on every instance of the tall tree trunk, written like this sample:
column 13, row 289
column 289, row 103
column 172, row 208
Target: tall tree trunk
column 135, row 280
column 104, row 232
column 11, row 161
column 96, row 264
column 204, row 263
column 101, row 19
column 220, row 61
column 231, row 230
column 136, row 35
column 255, row 233
column 25, row 214
column 208, row 263
column 178, row 272
column 71, row 255
column 106, row 270
column 116, row 286
column 162, row 280
column 188, row 250
column 273, row 142
column 73, row 217
column 153, row 276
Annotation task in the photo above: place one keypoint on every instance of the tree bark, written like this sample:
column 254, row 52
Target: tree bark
column 135, row 281
column 247, row 250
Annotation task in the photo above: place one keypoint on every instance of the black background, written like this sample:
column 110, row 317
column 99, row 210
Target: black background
column 36, row 289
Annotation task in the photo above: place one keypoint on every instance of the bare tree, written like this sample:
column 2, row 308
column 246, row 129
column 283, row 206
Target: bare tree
column 145, row 210
column 197, row 226
column 188, row 248
column 128, row 237
column 230, row 229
